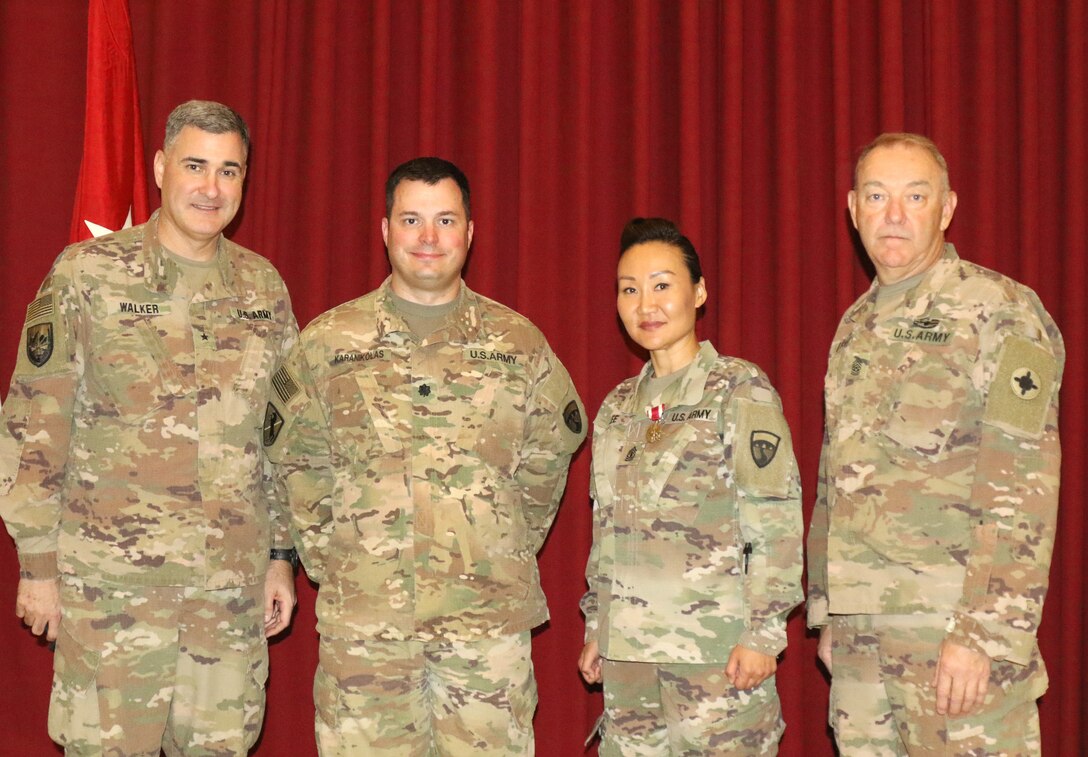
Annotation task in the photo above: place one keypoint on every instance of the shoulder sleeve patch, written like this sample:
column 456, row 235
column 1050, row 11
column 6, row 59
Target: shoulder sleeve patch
column 558, row 395
column 1023, row 388
column 285, row 385
column 273, row 424
column 44, row 346
column 762, row 449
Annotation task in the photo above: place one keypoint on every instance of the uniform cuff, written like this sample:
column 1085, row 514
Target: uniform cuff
column 997, row 643
column 39, row 567
column 762, row 642
column 817, row 612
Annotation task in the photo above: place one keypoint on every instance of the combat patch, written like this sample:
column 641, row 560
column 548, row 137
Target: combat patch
column 273, row 424
column 259, row 314
column 1021, row 392
column 284, row 384
column 572, row 416
column 763, row 463
column 39, row 343
column 477, row 353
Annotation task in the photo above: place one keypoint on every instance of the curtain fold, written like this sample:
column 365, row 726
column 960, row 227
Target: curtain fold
column 740, row 119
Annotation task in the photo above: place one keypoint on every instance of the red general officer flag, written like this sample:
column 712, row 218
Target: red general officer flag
column 112, row 191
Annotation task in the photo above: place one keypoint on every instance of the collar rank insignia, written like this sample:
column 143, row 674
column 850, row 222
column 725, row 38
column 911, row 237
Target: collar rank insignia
column 764, row 446
column 39, row 344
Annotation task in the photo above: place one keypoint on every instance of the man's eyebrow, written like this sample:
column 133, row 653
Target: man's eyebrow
column 204, row 161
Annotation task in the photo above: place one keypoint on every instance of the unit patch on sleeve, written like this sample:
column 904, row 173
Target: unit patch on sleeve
column 1020, row 395
column 764, row 446
column 762, row 455
column 273, row 423
column 44, row 337
column 39, row 343
column 573, row 417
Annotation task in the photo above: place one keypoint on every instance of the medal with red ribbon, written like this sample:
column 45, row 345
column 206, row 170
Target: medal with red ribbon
column 654, row 413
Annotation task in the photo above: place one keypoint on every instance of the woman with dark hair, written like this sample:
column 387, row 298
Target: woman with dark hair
column 696, row 558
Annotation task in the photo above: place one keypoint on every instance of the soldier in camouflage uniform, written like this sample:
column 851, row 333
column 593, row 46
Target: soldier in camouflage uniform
column 696, row 557
column 930, row 543
column 131, row 466
column 424, row 434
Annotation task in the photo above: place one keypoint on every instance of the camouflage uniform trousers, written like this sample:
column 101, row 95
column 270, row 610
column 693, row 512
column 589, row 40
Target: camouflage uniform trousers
column 685, row 711
column 139, row 668
column 425, row 698
column 883, row 701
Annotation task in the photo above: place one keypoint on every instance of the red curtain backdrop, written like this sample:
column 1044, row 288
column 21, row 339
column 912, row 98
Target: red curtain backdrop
column 739, row 119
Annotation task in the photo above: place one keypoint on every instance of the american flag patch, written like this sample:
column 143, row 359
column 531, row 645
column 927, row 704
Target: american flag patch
column 284, row 385
column 40, row 308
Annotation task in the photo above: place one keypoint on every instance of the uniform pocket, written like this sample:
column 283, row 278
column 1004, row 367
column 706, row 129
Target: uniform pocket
column 16, row 417
column 135, row 373
column 256, row 352
column 923, row 416
column 73, row 703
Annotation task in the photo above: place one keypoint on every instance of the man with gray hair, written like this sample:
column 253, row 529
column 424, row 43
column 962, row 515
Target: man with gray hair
column 931, row 538
column 151, row 546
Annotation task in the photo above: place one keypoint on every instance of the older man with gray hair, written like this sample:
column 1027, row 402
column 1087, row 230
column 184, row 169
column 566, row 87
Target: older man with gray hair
column 931, row 539
column 132, row 475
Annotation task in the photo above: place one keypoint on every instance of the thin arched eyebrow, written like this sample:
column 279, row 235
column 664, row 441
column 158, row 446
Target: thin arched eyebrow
column 652, row 275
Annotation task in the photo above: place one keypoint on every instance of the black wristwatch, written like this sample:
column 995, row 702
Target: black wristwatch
column 290, row 555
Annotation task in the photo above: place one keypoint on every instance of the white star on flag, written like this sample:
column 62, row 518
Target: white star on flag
column 101, row 231
column 112, row 181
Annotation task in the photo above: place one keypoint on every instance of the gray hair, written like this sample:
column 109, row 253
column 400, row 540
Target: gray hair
column 209, row 116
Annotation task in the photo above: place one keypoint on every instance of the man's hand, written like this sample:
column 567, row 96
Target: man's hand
column 823, row 647
column 961, row 678
column 38, row 604
column 589, row 662
column 279, row 596
column 747, row 668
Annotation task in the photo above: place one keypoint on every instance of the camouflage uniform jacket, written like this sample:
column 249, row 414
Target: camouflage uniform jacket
column 697, row 534
column 130, row 448
column 423, row 476
column 938, row 488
